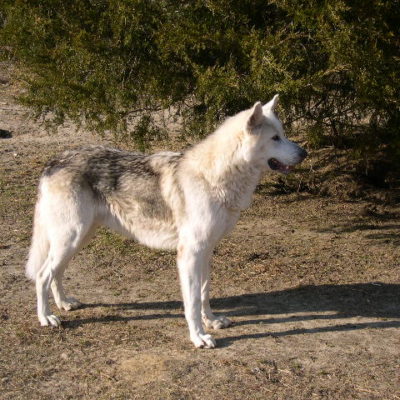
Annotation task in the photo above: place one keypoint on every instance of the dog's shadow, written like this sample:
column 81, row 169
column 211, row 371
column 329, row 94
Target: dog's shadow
column 380, row 301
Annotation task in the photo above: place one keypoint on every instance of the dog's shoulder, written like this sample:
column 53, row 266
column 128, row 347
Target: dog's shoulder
column 165, row 161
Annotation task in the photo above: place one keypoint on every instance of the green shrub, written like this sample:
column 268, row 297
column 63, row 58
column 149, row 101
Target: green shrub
column 106, row 62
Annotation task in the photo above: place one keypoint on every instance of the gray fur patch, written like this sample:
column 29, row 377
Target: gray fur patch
column 117, row 175
column 101, row 168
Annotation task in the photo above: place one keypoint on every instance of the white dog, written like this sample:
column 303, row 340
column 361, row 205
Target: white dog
column 179, row 201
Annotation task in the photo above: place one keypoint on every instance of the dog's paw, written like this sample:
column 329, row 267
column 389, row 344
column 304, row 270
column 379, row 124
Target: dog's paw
column 220, row 322
column 204, row 341
column 50, row 319
column 69, row 304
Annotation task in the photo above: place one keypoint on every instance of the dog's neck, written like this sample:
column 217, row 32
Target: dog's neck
column 237, row 184
column 230, row 176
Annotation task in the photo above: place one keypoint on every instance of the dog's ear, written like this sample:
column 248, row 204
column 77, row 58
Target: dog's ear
column 256, row 116
column 271, row 104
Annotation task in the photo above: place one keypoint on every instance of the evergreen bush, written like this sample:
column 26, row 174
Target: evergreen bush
column 104, row 63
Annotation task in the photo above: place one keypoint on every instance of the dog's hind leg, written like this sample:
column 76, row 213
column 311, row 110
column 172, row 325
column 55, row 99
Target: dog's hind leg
column 69, row 219
column 62, row 301
column 62, row 248
column 210, row 320
column 43, row 281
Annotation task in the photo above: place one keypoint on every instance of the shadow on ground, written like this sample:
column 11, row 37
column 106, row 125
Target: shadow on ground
column 388, row 233
column 306, row 303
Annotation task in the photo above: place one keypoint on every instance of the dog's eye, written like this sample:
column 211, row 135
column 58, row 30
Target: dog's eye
column 276, row 138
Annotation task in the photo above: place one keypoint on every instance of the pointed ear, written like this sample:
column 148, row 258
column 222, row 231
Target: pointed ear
column 256, row 116
column 271, row 104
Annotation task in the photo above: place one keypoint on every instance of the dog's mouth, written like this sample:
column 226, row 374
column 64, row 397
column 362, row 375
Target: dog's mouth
column 276, row 165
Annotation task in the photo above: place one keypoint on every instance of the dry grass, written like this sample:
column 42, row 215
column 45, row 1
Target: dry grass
column 312, row 284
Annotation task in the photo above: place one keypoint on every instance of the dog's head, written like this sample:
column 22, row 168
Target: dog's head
column 266, row 141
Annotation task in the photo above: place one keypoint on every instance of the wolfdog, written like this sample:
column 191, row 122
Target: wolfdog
column 179, row 201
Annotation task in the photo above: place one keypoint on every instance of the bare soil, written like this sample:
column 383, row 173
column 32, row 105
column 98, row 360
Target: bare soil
column 311, row 283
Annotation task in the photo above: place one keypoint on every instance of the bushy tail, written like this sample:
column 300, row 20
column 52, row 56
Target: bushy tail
column 39, row 248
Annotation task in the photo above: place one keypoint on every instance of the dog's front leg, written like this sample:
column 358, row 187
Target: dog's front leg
column 190, row 263
column 210, row 320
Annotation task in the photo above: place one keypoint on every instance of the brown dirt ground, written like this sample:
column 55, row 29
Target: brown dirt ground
column 312, row 284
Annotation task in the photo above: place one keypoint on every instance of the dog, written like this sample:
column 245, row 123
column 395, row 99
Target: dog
column 178, row 201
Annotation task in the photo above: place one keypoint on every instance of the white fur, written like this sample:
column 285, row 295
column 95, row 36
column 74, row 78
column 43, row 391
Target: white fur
column 213, row 183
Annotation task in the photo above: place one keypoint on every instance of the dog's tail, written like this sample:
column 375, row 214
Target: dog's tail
column 39, row 247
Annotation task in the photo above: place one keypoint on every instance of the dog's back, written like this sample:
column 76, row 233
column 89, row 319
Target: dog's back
column 105, row 171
